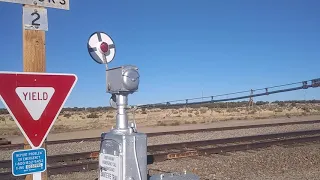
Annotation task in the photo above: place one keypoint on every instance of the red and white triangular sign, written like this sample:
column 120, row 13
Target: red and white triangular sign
column 35, row 100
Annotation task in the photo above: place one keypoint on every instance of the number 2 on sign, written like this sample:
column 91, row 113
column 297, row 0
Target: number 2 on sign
column 35, row 18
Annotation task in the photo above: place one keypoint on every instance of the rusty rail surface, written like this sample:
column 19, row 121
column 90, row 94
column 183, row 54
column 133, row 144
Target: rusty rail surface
column 193, row 144
column 20, row 146
column 153, row 149
column 89, row 160
column 4, row 141
column 232, row 148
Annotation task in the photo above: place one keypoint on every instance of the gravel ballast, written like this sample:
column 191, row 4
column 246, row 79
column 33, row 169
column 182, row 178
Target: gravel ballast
column 285, row 163
column 76, row 147
column 272, row 163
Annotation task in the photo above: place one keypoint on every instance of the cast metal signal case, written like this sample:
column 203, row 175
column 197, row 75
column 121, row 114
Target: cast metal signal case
column 123, row 79
column 123, row 155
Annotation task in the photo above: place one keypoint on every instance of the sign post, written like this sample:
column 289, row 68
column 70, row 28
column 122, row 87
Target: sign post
column 35, row 23
column 34, row 57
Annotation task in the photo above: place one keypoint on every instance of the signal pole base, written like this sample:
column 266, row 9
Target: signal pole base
column 123, row 155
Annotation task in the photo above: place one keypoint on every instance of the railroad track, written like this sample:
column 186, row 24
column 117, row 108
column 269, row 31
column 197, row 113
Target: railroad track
column 4, row 141
column 10, row 146
column 86, row 161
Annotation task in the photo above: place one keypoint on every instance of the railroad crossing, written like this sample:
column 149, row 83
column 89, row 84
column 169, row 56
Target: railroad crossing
column 34, row 99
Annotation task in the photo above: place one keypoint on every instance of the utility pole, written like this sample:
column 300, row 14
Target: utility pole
column 251, row 99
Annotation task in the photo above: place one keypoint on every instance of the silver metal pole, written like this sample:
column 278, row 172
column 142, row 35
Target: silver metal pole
column 122, row 117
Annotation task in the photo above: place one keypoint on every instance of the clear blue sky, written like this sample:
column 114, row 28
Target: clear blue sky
column 183, row 48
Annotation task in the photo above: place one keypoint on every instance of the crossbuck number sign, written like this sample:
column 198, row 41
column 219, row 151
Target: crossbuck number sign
column 35, row 18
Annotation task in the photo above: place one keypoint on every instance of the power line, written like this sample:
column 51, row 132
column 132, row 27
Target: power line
column 304, row 85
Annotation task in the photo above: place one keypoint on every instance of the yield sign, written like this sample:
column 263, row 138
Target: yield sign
column 35, row 100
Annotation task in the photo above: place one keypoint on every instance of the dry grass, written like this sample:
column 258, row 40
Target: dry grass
column 83, row 120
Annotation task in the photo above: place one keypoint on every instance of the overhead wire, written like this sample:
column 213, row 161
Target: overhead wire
column 303, row 86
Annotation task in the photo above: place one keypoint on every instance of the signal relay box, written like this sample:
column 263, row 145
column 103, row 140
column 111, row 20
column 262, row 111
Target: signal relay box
column 123, row 79
column 123, row 156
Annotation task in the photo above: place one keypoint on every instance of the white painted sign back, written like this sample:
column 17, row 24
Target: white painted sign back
column 35, row 18
column 58, row 4
column 35, row 99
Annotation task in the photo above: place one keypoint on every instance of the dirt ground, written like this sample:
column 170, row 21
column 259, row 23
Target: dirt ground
column 86, row 120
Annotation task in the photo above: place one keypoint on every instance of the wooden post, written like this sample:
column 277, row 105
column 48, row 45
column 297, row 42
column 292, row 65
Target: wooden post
column 34, row 60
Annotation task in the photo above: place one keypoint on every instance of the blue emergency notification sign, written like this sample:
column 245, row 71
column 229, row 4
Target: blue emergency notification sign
column 28, row 161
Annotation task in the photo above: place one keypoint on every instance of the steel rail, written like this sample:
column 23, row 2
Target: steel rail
column 17, row 146
column 93, row 164
column 4, row 142
column 194, row 144
column 158, row 157
column 154, row 149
